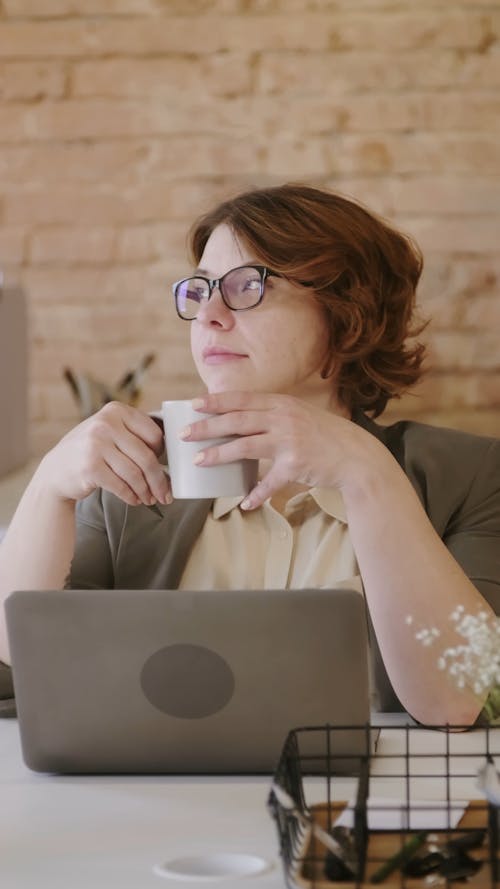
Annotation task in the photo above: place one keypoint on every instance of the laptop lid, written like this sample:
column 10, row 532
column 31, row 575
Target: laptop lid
column 169, row 681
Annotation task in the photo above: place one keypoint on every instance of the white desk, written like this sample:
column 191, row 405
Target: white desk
column 102, row 832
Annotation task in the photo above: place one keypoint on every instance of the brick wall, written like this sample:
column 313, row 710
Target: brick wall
column 121, row 120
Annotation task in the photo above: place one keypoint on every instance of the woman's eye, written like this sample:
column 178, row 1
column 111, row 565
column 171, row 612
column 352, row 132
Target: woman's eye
column 252, row 284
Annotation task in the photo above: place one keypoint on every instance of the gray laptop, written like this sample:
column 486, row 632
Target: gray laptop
column 169, row 681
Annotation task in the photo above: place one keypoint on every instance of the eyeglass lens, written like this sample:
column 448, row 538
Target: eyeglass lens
column 240, row 288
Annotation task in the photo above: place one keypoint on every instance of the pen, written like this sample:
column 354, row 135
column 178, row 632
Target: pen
column 488, row 780
column 401, row 857
column 286, row 801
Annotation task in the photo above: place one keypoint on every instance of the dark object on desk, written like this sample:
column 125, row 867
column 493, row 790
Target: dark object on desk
column 345, row 867
column 8, row 708
column 422, row 865
column 459, row 866
column 450, row 859
column 7, row 702
column 400, row 858
column 173, row 681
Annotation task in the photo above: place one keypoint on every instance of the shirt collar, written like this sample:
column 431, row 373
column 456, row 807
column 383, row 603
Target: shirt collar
column 223, row 505
column 330, row 500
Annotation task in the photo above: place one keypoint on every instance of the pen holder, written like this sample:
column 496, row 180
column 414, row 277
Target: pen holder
column 406, row 816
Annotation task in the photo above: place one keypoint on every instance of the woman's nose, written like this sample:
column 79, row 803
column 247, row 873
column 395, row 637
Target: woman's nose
column 214, row 311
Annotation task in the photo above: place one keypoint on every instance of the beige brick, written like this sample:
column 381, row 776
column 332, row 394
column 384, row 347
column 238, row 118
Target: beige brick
column 251, row 118
column 85, row 119
column 12, row 241
column 414, row 153
column 201, row 155
column 306, row 157
column 419, row 194
column 478, row 421
column 72, row 245
column 344, row 74
column 483, row 313
column 179, row 200
column 99, row 323
column 451, row 391
column 415, row 110
column 461, row 350
column 25, row 81
column 92, row 119
column 50, row 206
column 211, row 33
column 478, row 234
column 37, row 164
column 450, row 309
column 71, row 288
column 57, row 402
column 141, row 243
column 207, row 34
column 456, row 29
column 64, row 8
column 167, row 79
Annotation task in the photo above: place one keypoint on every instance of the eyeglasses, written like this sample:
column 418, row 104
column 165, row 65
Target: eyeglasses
column 241, row 288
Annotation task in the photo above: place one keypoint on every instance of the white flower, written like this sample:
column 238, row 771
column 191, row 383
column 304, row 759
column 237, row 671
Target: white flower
column 475, row 663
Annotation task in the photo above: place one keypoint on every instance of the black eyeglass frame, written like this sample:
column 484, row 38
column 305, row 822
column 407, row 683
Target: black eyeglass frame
column 213, row 283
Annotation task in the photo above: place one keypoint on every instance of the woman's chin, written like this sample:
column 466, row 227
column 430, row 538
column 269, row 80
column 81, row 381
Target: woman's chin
column 229, row 382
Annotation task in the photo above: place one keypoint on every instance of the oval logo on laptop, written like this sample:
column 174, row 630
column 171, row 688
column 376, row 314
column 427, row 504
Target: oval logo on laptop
column 187, row 681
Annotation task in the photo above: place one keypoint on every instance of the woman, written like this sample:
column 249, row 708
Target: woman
column 294, row 352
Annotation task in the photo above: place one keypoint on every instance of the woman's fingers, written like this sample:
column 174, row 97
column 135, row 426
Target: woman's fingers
column 116, row 449
column 223, row 402
column 248, row 447
column 234, row 423
column 129, row 474
column 265, row 488
column 304, row 444
column 140, row 468
column 116, row 485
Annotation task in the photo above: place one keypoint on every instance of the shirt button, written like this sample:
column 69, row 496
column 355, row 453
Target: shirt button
column 283, row 535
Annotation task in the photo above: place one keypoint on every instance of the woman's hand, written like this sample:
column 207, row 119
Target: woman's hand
column 116, row 449
column 303, row 443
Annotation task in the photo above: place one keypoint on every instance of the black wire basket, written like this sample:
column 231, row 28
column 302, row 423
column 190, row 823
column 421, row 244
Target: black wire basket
column 419, row 833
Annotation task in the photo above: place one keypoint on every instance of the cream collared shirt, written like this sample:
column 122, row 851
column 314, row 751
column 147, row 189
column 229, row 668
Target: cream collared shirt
column 309, row 545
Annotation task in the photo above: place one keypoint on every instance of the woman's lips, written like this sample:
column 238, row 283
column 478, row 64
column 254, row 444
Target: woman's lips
column 221, row 356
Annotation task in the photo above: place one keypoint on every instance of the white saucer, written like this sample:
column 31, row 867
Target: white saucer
column 213, row 867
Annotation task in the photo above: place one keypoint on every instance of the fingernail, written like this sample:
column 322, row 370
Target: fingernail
column 199, row 458
column 246, row 503
column 198, row 403
column 185, row 433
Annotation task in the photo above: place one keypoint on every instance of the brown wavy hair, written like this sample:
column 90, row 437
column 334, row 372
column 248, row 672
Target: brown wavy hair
column 363, row 272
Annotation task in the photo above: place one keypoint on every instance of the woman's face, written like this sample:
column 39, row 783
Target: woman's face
column 279, row 346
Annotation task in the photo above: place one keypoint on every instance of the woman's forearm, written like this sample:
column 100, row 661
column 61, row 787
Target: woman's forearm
column 408, row 572
column 38, row 547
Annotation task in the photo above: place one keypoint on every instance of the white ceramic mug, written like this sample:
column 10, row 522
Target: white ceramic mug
column 191, row 482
